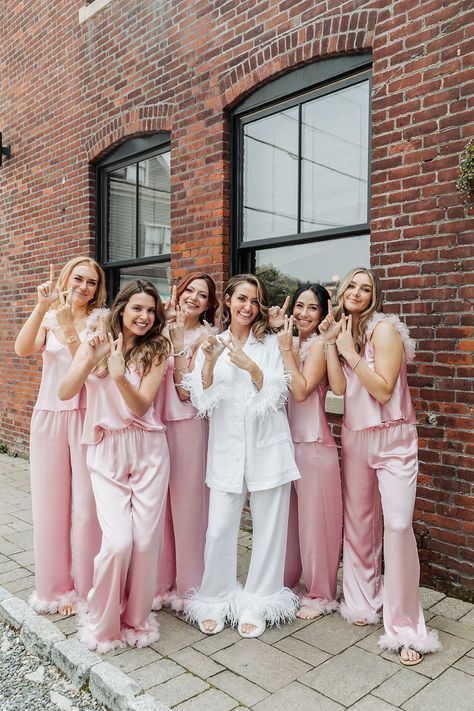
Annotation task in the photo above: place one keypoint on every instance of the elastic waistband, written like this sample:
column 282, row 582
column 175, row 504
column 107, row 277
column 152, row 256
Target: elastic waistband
column 382, row 426
column 127, row 430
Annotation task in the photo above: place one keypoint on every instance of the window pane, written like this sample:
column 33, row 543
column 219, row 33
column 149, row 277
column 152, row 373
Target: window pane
column 158, row 274
column 121, row 213
column 270, row 177
column 335, row 134
column 154, row 206
column 283, row 268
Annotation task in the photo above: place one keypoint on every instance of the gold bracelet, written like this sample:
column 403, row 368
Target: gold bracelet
column 259, row 380
column 355, row 366
column 283, row 350
column 179, row 353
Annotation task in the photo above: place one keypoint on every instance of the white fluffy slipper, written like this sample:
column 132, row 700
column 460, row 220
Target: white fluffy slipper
column 250, row 618
column 218, row 628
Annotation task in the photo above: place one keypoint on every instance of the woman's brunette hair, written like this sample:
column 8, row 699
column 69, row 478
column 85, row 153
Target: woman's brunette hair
column 209, row 314
column 260, row 326
column 322, row 297
column 98, row 299
column 364, row 318
column 149, row 349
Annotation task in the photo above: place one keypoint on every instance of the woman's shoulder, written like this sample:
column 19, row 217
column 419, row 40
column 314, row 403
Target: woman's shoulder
column 391, row 322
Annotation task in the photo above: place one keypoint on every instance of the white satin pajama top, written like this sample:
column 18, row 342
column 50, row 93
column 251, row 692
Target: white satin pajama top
column 249, row 436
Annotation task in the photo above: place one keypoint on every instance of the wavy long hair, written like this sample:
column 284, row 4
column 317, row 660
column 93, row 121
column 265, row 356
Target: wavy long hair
column 359, row 334
column 151, row 348
column 260, row 326
column 209, row 314
column 322, row 297
column 98, row 299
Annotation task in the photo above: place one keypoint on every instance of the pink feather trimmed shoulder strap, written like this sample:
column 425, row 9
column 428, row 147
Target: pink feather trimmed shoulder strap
column 408, row 342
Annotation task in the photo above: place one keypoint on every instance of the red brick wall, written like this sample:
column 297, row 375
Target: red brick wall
column 70, row 92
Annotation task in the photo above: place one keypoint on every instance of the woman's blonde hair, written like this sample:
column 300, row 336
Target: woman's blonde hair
column 98, row 300
column 260, row 326
column 149, row 349
column 364, row 318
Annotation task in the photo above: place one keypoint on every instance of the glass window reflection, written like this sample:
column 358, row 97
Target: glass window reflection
column 121, row 213
column 157, row 274
column 154, row 206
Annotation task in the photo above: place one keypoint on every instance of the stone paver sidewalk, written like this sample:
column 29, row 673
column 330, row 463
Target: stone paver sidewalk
column 325, row 665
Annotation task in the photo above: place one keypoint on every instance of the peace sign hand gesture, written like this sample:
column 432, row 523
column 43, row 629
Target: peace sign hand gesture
column 212, row 347
column 64, row 313
column 276, row 314
column 236, row 354
column 170, row 306
column 176, row 331
column 98, row 342
column 345, row 340
column 116, row 361
column 329, row 328
column 47, row 291
column 285, row 337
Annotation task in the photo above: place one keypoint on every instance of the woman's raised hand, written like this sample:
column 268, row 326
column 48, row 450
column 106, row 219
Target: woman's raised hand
column 64, row 313
column 176, row 331
column 212, row 347
column 115, row 361
column 47, row 291
column 237, row 356
column 345, row 340
column 285, row 337
column 170, row 306
column 329, row 328
column 276, row 314
column 98, row 340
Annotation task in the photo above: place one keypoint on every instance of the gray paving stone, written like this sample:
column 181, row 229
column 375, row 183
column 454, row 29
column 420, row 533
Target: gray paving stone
column 370, row 703
column 27, row 583
column 145, row 702
column 13, row 574
column 349, row 676
column 332, row 634
column 22, row 539
column 458, row 629
column 371, row 643
column 301, row 650
column 66, row 625
column 468, row 619
column 465, row 664
column 264, row 665
column 211, row 700
column 400, row 687
column 156, row 673
column 214, row 642
column 430, row 597
column 452, row 690
column 452, row 608
column 195, row 662
column 274, row 634
column 239, row 688
column 131, row 659
column 39, row 635
column 296, row 697
column 177, row 690
column 74, row 660
column 15, row 611
column 111, row 686
column 174, row 634
column 4, row 594
column 435, row 664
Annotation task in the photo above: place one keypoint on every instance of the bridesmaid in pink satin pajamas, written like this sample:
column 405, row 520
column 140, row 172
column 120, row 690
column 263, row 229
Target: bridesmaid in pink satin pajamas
column 122, row 366
column 182, row 560
column 59, row 476
column 315, row 522
column 367, row 353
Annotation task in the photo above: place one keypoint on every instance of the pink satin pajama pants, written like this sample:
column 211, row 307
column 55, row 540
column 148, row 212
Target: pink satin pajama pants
column 315, row 526
column 379, row 469
column 181, row 564
column 59, row 474
column 130, row 471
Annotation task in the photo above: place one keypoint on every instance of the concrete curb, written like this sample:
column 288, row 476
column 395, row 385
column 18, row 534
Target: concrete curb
column 108, row 684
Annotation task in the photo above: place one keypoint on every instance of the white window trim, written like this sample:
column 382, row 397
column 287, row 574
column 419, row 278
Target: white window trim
column 88, row 11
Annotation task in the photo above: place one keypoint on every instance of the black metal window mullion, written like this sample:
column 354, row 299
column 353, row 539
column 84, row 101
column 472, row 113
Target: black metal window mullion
column 137, row 211
column 300, row 160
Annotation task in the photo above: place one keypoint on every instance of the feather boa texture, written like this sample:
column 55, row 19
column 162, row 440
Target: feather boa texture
column 145, row 637
column 305, row 346
column 274, row 609
column 408, row 342
column 273, row 394
column 92, row 319
column 427, row 643
column 204, row 400
column 320, row 606
column 352, row 615
column 51, row 606
column 169, row 599
column 50, row 320
column 200, row 608
column 87, row 637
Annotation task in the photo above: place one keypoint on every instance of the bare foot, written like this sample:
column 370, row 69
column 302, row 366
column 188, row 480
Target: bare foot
column 209, row 625
column 308, row 613
column 68, row 609
column 410, row 657
column 248, row 629
column 361, row 622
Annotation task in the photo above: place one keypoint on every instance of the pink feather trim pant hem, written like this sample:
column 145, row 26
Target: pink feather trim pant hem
column 380, row 467
column 130, row 470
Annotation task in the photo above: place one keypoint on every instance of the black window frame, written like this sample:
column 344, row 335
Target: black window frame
column 295, row 88
column 130, row 152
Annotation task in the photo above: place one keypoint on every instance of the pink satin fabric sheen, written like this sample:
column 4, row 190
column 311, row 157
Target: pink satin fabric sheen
column 129, row 470
column 181, row 564
column 315, row 520
column 56, row 361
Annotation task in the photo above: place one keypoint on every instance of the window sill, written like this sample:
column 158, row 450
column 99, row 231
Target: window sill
column 334, row 404
column 88, row 11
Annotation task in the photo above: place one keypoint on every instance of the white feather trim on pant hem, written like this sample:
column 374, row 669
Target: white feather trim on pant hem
column 274, row 609
column 318, row 604
column 352, row 615
column 52, row 606
column 144, row 637
column 425, row 644
column 199, row 608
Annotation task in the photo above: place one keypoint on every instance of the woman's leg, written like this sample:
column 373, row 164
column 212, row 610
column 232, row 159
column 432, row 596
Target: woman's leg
column 394, row 451
column 362, row 546
column 51, row 503
column 166, row 575
column 320, row 525
column 86, row 533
